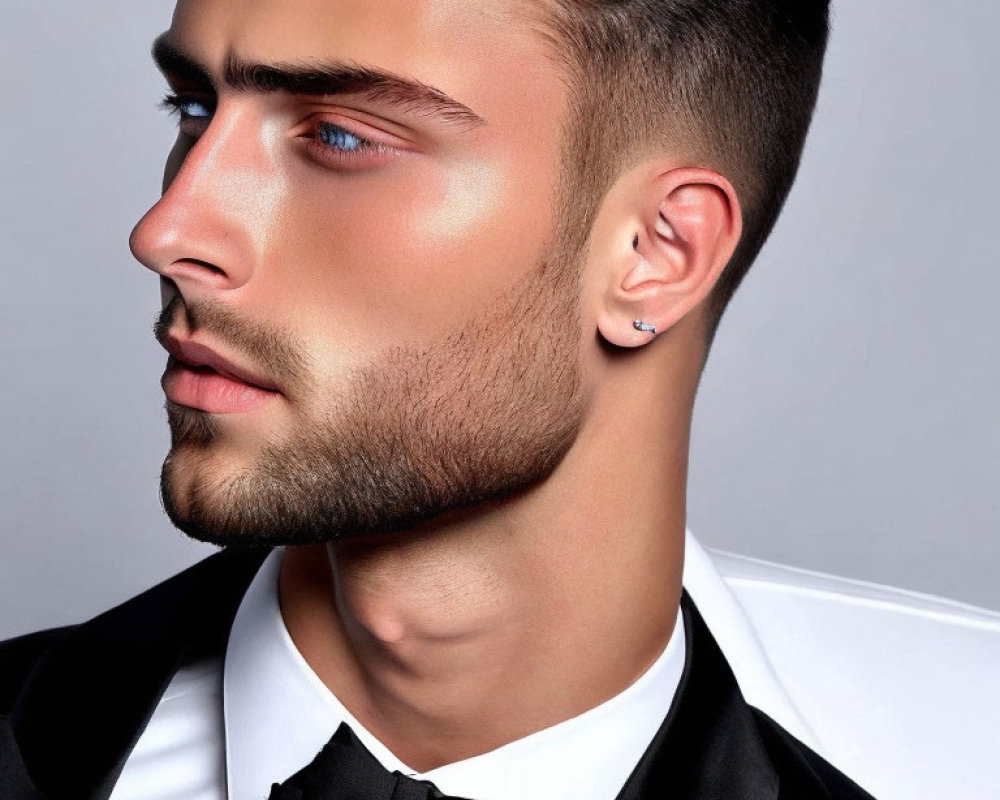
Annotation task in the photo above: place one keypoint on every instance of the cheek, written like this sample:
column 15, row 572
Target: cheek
column 467, row 201
column 407, row 253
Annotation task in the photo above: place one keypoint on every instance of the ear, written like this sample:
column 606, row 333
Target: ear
column 670, row 241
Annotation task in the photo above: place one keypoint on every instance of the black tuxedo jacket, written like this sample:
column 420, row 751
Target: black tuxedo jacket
column 74, row 701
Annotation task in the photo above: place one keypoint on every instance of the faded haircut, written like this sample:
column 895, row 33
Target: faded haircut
column 727, row 84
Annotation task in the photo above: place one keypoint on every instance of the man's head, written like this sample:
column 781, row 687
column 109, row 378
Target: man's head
column 405, row 223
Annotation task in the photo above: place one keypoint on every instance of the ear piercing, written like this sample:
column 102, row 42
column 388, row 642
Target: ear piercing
column 638, row 324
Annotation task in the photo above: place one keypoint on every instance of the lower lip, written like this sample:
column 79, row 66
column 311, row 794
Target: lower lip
column 207, row 390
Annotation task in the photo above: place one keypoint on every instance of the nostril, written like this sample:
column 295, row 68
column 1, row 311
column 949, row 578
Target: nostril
column 206, row 265
column 194, row 269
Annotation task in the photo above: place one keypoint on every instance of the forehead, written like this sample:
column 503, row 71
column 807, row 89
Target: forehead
column 477, row 51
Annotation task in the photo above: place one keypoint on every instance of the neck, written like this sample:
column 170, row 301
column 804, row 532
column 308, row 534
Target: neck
column 454, row 639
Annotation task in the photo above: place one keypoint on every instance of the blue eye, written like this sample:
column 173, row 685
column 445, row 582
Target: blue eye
column 187, row 108
column 340, row 139
column 192, row 108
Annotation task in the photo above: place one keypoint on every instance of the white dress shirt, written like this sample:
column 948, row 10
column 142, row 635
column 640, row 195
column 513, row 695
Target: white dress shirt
column 230, row 732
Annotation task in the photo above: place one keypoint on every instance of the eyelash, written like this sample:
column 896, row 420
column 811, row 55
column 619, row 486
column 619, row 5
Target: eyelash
column 175, row 104
column 328, row 140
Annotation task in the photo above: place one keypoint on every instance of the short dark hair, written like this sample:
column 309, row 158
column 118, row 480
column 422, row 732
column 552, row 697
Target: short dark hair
column 730, row 84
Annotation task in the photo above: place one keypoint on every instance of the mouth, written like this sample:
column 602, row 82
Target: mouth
column 201, row 378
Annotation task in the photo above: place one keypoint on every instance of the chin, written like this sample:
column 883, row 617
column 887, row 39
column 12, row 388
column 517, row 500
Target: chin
column 190, row 427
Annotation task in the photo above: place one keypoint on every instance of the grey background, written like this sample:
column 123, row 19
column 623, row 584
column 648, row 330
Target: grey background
column 846, row 422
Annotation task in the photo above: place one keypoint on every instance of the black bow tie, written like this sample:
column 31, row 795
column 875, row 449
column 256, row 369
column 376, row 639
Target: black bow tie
column 345, row 770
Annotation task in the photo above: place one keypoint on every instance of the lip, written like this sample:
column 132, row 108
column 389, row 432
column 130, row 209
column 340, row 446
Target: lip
column 195, row 354
column 199, row 377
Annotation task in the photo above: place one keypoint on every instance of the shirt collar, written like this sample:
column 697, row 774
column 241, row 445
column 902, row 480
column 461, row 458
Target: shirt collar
column 278, row 714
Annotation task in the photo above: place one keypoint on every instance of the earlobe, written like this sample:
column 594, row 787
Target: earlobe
column 685, row 231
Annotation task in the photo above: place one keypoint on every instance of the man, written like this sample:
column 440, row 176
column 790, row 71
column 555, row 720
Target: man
column 439, row 281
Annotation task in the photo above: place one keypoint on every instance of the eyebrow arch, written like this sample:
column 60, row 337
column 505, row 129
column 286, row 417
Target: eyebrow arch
column 317, row 79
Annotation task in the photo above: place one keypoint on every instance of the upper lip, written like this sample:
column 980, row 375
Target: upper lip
column 196, row 354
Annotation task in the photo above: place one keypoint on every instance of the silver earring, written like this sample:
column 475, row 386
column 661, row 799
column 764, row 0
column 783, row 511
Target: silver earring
column 645, row 327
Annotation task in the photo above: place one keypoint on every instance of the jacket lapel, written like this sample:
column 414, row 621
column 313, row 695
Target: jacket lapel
column 708, row 745
column 92, row 693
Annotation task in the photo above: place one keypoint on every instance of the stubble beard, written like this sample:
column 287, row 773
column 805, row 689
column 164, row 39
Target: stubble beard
column 488, row 412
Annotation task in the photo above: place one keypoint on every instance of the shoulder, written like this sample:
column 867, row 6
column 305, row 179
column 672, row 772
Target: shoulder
column 113, row 668
column 898, row 685
column 767, row 590
column 18, row 657
column 136, row 624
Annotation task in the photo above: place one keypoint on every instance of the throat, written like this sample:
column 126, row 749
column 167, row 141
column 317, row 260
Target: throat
column 419, row 642
column 420, row 655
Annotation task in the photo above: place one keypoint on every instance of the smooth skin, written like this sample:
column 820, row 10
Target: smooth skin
column 481, row 626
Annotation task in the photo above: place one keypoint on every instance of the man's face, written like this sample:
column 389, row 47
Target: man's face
column 376, row 260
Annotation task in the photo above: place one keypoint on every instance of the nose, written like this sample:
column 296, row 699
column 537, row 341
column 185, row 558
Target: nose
column 200, row 234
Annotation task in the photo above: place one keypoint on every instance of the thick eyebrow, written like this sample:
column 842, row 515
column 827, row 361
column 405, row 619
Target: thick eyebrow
column 374, row 84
